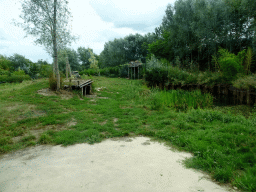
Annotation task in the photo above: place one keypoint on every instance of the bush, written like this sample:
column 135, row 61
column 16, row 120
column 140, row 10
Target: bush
column 230, row 64
column 4, row 72
column 155, row 76
column 92, row 72
column 247, row 82
column 13, row 78
column 19, row 72
column 53, row 82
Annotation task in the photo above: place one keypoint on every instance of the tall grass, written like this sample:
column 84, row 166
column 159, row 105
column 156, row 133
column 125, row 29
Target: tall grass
column 181, row 100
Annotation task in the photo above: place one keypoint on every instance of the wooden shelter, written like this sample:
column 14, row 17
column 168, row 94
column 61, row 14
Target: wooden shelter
column 133, row 68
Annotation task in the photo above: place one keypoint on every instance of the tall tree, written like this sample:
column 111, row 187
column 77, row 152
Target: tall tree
column 72, row 57
column 192, row 30
column 84, row 56
column 47, row 20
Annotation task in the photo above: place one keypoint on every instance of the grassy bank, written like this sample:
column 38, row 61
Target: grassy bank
column 222, row 139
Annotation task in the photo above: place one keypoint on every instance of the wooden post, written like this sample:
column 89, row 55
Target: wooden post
column 218, row 93
column 128, row 71
column 234, row 96
column 82, row 91
column 241, row 96
column 134, row 72
column 248, row 97
column 66, row 68
column 138, row 71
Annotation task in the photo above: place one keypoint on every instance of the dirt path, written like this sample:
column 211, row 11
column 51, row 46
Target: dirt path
column 121, row 164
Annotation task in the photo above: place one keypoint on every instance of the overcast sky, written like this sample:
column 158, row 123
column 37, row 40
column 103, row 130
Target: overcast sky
column 95, row 22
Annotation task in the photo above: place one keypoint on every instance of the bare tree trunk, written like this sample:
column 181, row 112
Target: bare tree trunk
column 53, row 70
column 66, row 68
column 55, row 46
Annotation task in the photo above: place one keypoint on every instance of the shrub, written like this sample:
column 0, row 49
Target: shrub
column 92, row 72
column 230, row 64
column 155, row 76
column 53, row 82
column 209, row 78
column 13, row 78
column 19, row 72
column 4, row 72
column 247, row 82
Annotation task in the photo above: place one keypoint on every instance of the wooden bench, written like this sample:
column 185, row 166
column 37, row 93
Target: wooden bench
column 85, row 86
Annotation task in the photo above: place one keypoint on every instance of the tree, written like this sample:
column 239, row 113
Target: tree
column 72, row 57
column 47, row 20
column 34, row 70
column 84, row 56
column 5, row 63
column 192, row 30
column 93, row 61
column 20, row 62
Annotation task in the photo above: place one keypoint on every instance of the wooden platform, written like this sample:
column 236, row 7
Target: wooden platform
column 84, row 85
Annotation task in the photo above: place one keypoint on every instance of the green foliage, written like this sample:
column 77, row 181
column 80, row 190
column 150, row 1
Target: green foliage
column 156, row 76
column 89, row 72
column 19, row 62
column 53, row 82
column 72, row 56
column 181, row 100
column 248, row 60
column 28, row 138
column 245, row 82
column 45, row 139
column 5, row 64
column 4, row 72
column 123, row 50
column 84, row 56
column 19, row 72
column 192, row 30
column 93, row 61
column 230, row 64
column 45, row 70
column 14, row 78
column 34, row 71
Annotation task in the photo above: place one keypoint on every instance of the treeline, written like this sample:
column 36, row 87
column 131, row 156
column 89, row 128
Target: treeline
column 191, row 34
column 124, row 50
column 17, row 67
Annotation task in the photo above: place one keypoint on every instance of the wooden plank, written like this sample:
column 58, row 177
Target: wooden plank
column 85, row 84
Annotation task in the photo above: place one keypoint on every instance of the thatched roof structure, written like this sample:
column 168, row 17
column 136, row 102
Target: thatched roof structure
column 135, row 63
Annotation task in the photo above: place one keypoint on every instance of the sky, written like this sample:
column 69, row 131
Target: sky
column 94, row 22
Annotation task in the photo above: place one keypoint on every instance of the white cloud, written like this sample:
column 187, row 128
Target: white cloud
column 95, row 22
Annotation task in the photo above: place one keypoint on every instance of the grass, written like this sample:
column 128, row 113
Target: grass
column 222, row 139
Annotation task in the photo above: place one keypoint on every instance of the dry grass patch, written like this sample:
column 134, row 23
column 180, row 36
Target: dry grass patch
column 64, row 94
column 71, row 123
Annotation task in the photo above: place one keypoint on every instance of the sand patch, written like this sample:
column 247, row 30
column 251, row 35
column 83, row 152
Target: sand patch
column 103, row 123
column 71, row 123
column 64, row 94
column 124, row 164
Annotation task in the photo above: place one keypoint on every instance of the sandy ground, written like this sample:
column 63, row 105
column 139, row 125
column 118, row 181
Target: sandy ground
column 119, row 164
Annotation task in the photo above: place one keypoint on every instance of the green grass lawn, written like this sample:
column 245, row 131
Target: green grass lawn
column 222, row 139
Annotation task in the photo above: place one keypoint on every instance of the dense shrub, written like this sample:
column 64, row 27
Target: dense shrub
column 4, row 72
column 230, row 64
column 209, row 78
column 13, row 78
column 92, row 72
column 155, row 76
column 53, row 82
column 245, row 82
